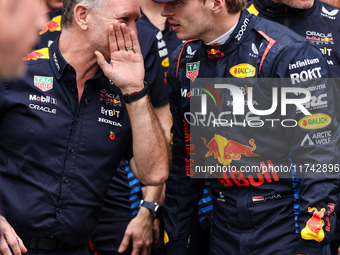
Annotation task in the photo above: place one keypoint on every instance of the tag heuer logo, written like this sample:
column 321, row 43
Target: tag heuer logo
column 43, row 83
column 193, row 70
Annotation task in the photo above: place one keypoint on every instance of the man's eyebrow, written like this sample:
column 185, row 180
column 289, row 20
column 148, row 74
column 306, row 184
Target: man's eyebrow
column 128, row 14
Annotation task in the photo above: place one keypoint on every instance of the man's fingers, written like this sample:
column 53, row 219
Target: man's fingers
column 13, row 245
column 112, row 39
column 146, row 250
column 125, row 243
column 136, row 249
column 127, row 37
column 119, row 36
column 101, row 60
column 135, row 42
column 4, row 247
column 21, row 245
column 18, row 242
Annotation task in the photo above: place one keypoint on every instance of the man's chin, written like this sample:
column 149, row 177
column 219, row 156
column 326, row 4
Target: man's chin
column 183, row 37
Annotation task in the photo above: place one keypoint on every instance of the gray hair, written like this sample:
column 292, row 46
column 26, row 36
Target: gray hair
column 68, row 8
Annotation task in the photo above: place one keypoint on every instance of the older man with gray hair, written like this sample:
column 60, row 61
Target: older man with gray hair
column 67, row 124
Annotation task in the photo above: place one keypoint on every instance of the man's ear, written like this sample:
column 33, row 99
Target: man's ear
column 81, row 15
column 218, row 5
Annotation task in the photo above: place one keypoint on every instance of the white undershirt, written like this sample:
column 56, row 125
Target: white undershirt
column 223, row 38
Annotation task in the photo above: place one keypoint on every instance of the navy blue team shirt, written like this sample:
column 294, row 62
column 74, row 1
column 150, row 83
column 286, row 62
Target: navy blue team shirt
column 124, row 193
column 58, row 155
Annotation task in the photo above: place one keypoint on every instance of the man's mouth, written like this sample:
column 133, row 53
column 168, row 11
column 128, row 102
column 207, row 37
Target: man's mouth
column 175, row 26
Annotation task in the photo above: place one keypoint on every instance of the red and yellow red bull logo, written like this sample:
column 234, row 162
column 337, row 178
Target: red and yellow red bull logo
column 38, row 54
column 327, row 39
column 110, row 100
column 52, row 25
column 243, row 71
column 225, row 151
column 313, row 229
column 228, row 150
column 215, row 53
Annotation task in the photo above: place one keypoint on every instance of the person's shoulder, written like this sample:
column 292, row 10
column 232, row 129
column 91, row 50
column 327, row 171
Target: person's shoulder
column 276, row 31
column 188, row 49
column 183, row 54
column 55, row 13
column 38, row 63
column 148, row 34
column 37, row 56
column 144, row 25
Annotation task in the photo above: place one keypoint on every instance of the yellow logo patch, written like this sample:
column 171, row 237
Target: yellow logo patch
column 166, row 237
column 42, row 53
column 243, row 71
column 165, row 62
column 313, row 229
column 315, row 121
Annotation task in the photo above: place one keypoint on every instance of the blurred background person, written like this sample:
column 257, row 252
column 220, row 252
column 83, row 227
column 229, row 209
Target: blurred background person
column 50, row 31
column 20, row 22
column 51, row 5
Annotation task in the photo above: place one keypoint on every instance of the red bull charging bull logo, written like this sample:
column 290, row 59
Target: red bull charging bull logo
column 52, row 25
column 38, row 54
column 313, row 229
column 228, row 150
column 215, row 53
